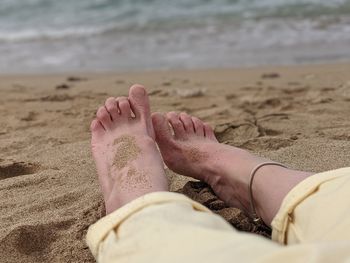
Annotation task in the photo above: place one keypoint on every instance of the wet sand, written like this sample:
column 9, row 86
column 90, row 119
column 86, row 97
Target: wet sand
column 48, row 186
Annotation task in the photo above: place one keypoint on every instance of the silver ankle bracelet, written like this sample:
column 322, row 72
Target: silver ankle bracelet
column 255, row 216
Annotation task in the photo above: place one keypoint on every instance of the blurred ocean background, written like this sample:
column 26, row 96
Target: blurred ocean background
column 123, row 35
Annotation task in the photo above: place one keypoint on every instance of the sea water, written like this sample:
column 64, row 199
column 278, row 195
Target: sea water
column 124, row 35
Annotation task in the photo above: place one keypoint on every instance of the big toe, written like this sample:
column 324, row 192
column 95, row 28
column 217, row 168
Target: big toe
column 161, row 129
column 139, row 101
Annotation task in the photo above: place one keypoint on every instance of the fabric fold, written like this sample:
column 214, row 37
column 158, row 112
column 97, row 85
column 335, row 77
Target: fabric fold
column 284, row 221
column 98, row 231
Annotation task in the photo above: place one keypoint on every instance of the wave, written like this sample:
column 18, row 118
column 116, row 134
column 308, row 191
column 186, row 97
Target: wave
column 27, row 35
column 143, row 17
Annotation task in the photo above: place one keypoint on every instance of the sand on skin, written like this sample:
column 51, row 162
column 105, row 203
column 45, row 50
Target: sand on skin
column 126, row 151
column 48, row 186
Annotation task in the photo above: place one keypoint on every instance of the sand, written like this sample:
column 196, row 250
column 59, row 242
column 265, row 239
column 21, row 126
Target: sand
column 49, row 192
column 127, row 151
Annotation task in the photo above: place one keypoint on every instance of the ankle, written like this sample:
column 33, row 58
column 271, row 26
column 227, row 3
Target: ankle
column 229, row 170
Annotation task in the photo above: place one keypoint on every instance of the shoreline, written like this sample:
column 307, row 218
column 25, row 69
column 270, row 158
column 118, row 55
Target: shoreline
column 102, row 72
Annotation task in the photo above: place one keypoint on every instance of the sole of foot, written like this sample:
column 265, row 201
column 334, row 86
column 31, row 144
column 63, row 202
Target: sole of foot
column 123, row 145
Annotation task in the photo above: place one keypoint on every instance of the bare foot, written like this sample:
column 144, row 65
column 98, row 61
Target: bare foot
column 194, row 151
column 128, row 162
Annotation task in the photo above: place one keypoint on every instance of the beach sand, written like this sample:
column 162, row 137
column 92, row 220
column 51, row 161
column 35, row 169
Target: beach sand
column 49, row 193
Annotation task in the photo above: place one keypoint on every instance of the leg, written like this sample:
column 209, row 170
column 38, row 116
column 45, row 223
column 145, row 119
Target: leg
column 168, row 227
column 194, row 151
column 128, row 162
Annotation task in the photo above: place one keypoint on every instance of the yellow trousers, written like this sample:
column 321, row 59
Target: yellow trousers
column 312, row 225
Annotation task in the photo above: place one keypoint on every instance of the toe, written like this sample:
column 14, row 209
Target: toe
column 112, row 107
column 178, row 127
column 139, row 102
column 104, row 117
column 187, row 122
column 124, row 107
column 96, row 128
column 198, row 126
column 209, row 133
column 161, row 129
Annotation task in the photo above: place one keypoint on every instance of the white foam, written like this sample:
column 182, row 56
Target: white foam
column 52, row 34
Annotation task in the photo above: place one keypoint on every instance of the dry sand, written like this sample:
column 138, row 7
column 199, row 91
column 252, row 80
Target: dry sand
column 49, row 193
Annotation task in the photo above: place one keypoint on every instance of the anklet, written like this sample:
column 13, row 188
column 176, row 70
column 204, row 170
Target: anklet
column 256, row 217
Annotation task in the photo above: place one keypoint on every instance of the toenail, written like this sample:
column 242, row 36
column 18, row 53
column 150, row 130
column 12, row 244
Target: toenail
column 139, row 92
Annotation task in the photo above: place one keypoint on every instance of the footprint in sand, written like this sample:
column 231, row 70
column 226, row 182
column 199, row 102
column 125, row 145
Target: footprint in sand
column 252, row 135
column 29, row 239
column 32, row 240
column 10, row 169
column 236, row 133
column 267, row 143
